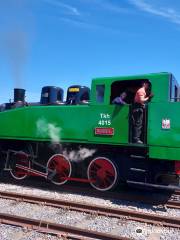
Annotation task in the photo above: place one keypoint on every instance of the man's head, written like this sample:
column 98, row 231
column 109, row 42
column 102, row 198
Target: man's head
column 123, row 95
column 146, row 84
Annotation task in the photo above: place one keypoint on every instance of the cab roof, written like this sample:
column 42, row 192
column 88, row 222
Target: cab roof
column 132, row 77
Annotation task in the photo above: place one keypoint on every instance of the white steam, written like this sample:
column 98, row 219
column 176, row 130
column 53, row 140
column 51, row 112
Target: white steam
column 79, row 155
column 45, row 129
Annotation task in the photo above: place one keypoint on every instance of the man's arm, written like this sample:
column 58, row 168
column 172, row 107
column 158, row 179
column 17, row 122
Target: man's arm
column 143, row 98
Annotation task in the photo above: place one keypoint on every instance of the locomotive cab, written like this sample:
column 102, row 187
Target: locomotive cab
column 117, row 117
column 77, row 94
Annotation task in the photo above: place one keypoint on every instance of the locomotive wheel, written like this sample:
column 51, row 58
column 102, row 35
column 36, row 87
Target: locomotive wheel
column 22, row 159
column 102, row 173
column 62, row 167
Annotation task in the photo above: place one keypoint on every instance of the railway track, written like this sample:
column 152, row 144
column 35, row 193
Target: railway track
column 97, row 210
column 177, row 193
column 64, row 231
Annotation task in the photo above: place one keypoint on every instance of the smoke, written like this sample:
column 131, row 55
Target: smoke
column 79, row 155
column 45, row 129
column 15, row 36
column 16, row 51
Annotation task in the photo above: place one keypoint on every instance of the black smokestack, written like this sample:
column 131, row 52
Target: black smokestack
column 19, row 95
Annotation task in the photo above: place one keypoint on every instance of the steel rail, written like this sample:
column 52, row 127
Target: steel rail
column 58, row 229
column 177, row 193
column 173, row 204
column 95, row 209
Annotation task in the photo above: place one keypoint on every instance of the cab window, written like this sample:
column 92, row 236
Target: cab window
column 174, row 90
column 100, row 90
column 130, row 87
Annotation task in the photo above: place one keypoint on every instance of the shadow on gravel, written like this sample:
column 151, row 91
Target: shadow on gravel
column 124, row 195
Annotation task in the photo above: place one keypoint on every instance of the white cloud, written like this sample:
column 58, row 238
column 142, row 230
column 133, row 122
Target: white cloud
column 72, row 10
column 169, row 13
column 114, row 8
column 87, row 25
column 107, row 5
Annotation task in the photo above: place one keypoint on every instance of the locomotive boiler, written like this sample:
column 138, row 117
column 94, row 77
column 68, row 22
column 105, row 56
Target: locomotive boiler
column 87, row 138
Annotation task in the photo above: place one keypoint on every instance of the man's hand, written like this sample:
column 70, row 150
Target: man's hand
column 151, row 95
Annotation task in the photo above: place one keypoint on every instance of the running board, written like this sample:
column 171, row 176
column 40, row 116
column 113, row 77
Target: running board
column 155, row 186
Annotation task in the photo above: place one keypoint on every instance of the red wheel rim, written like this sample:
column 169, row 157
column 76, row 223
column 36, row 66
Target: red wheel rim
column 62, row 166
column 103, row 174
column 21, row 159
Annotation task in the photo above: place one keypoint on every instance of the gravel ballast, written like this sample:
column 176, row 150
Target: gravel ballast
column 115, row 226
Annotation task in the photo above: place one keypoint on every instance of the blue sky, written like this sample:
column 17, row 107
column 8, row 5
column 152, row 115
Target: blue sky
column 65, row 42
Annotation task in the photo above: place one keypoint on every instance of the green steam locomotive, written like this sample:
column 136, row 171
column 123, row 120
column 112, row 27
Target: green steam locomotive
column 87, row 138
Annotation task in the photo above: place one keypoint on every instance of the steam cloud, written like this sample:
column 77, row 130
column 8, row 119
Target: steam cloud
column 45, row 129
column 79, row 155
column 48, row 129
